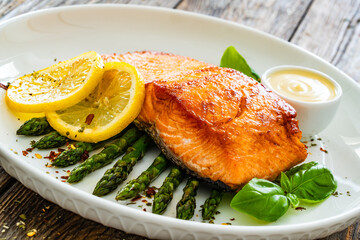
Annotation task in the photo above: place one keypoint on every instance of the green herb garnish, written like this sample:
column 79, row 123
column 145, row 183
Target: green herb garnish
column 310, row 182
column 233, row 59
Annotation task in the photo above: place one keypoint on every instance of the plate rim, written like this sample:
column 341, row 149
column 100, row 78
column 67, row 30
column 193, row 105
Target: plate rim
column 265, row 230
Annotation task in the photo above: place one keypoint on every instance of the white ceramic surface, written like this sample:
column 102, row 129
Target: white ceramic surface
column 35, row 40
column 313, row 117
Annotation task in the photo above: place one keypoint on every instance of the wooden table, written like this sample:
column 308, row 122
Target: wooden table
column 327, row 28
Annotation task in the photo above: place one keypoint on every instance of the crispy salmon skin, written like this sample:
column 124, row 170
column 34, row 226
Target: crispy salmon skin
column 216, row 123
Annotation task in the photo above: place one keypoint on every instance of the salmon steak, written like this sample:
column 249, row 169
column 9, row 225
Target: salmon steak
column 216, row 123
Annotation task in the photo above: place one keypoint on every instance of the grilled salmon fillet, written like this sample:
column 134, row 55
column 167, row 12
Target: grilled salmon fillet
column 216, row 123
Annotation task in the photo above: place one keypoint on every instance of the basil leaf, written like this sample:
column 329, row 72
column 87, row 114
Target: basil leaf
column 301, row 167
column 286, row 186
column 255, row 75
column 262, row 199
column 312, row 182
column 293, row 170
column 294, row 200
column 232, row 59
column 285, row 183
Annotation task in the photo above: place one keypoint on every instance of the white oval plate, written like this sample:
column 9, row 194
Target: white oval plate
column 35, row 40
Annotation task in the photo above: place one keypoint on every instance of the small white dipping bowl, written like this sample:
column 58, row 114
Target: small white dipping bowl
column 313, row 117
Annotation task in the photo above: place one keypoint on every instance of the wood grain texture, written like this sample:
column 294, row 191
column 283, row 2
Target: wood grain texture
column 279, row 18
column 331, row 30
column 50, row 221
column 347, row 57
column 6, row 181
column 12, row 8
column 328, row 28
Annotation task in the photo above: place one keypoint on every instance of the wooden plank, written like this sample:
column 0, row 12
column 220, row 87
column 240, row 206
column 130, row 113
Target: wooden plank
column 6, row 181
column 331, row 30
column 50, row 221
column 12, row 8
column 347, row 57
column 7, row 6
column 279, row 18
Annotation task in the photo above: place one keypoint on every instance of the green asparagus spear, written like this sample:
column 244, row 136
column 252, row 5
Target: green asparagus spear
column 35, row 127
column 106, row 156
column 210, row 205
column 135, row 186
column 165, row 194
column 52, row 140
column 73, row 155
column 186, row 206
column 119, row 172
column 77, row 150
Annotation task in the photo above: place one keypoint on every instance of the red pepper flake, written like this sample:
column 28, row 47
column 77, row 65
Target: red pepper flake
column 3, row 86
column 232, row 219
column 136, row 198
column 89, row 118
column 300, row 208
column 60, row 150
column 29, row 149
column 63, row 180
column 25, row 153
column 150, row 192
column 325, row 151
column 144, row 209
column 56, row 171
column 52, row 155
column 144, row 201
column 64, row 177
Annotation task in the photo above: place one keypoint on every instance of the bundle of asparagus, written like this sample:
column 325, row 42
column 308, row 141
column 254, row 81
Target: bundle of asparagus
column 119, row 172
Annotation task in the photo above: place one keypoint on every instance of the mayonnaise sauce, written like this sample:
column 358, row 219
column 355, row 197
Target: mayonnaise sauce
column 302, row 85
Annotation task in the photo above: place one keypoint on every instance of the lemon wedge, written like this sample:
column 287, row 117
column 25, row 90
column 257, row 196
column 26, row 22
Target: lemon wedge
column 111, row 107
column 56, row 87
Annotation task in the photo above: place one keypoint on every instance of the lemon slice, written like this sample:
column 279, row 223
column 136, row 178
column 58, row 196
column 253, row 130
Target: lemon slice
column 112, row 106
column 56, row 87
